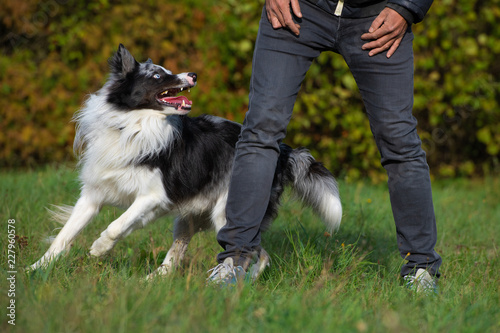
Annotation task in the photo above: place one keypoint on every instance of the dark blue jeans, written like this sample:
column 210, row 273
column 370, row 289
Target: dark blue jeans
column 280, row 63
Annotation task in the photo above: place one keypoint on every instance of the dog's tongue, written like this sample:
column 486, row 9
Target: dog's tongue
column 180, row 101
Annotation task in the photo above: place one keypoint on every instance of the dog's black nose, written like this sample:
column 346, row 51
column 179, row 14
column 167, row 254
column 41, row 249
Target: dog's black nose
column 193, row 75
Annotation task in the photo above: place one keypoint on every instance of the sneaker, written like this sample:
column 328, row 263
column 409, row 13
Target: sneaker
column 226, row 274
column 421, row 282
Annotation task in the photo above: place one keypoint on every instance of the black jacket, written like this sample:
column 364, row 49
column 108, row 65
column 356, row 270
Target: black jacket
column 412, row 10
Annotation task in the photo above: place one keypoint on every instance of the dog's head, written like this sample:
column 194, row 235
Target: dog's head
column 135, row 86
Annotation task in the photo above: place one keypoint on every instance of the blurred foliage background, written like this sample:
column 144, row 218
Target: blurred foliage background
column 54, row 52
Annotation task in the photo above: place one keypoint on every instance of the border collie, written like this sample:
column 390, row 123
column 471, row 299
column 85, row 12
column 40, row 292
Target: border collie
column 138, row 150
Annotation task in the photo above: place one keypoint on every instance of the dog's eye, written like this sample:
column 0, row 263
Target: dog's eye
column 156, row 76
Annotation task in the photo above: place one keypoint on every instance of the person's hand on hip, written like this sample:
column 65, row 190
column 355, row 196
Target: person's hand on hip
column 278, row 13
column 385, row 33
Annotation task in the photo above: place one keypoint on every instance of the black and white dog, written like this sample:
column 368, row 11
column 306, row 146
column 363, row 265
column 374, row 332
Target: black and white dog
column 138, row 150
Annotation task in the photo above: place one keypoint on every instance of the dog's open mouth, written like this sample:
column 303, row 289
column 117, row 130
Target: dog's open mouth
column 170, row 98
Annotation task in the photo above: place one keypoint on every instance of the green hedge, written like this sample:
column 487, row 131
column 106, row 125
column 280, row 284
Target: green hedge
column 54, row 52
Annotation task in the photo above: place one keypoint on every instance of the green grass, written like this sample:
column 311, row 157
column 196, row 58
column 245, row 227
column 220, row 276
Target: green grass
column 344, row 283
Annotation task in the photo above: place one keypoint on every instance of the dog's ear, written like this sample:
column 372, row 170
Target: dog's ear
column 122, row 62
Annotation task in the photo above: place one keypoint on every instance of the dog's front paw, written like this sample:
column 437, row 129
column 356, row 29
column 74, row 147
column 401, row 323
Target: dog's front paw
column 102, row 246
column 44, row 261
column 34, row 267
column 160, row 271
column 263, row 261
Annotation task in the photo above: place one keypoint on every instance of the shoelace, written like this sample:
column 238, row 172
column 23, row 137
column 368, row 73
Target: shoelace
column 223, row 269
column 410, row 280
column 424, row 284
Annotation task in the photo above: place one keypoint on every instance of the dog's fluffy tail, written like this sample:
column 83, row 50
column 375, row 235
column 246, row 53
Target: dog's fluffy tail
column 316, row 187
column 61, row 213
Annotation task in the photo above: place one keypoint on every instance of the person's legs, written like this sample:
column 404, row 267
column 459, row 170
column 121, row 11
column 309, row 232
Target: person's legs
column 280, row 63
column 386, row 86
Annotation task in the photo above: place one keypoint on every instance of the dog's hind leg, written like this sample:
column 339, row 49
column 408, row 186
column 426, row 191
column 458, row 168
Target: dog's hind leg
column 83, row 212
column 142, row 211
column 184, row 230
column 219, row 213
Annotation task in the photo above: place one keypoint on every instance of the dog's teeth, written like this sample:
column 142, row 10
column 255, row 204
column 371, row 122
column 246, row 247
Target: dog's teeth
column 165, row 92
column 183, row 103
column 189, row 90
column 182, row 89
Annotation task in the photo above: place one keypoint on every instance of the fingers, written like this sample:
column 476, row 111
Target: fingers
column 385, row 26
column 290, row 24
column 296, row 8
column 376, row 34
column 381, row 40
column 383, row 44
column 274, row 22
column 279, row 15
column 384, row 47
column 394, row 47
column 376, row 24
column 385, row 33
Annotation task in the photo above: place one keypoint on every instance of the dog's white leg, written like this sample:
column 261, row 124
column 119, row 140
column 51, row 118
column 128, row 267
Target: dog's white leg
column 184, row 230
column 263, row 261
column 142, row 211
column 83, row 212
column 172, row 259
column 219, row 213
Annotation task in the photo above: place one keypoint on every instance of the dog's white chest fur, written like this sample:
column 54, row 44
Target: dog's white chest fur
column 112, row 143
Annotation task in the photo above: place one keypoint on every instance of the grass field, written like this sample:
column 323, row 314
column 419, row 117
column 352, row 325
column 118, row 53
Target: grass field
column 344, row 283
